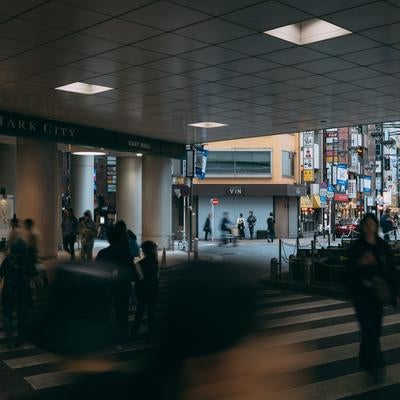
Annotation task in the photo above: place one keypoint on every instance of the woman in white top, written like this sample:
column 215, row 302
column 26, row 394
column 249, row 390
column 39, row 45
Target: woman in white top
column 240, row 223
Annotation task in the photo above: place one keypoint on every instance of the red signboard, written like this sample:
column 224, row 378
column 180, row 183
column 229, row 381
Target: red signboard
column 214, row 202
column 341, row 197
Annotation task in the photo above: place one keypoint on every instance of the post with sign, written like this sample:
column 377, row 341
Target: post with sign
column 330, row 193
column 213, row 202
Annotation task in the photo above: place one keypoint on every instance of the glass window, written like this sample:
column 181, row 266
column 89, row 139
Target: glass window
column 239, row 163
column 220, row 162
column 287, row 163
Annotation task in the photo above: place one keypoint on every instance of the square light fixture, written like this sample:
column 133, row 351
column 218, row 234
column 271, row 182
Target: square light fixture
column 84, row 88
column 207, row 125
column 306, row 32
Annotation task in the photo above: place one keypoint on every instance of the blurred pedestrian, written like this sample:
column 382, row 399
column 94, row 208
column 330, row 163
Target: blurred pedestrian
column 69, row 228
column 207, row 227
column 251, row 222
column 146, row 289
column 17, row 270
column 32, row 240
column 386, row 224
column 134, row 248
column 225, row 228
column 118, row 257
column 87, row 233
column 15, row 232
column 372, row 285
column 240, row 223
column 271, row 228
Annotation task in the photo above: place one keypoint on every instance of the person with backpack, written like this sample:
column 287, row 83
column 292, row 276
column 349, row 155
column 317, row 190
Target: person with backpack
column 17, row 271
column 87, row 233
column 146, row 289
column 271, row 228
column 251, row 222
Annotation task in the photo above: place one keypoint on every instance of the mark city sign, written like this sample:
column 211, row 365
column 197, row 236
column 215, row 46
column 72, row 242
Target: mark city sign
column 27, row 126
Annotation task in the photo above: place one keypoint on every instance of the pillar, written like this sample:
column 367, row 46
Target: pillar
column 8, row 167
column 129, row 193
column 157, row 200
column 82, row 183
column 37, row 191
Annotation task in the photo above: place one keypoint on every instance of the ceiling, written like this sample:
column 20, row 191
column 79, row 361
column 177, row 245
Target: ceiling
column 178, row 62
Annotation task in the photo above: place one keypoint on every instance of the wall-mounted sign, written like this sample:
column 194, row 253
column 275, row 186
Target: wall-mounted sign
column 308, row 175
column 235, row 191
column 62, row 132
column 367, row 182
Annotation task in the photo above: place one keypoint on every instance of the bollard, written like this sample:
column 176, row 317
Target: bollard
column 195, row 248
column 280, row 258
column 329, row 240
column 311, row 266
column 274, row 268
column 164, row 259
column 297, row 245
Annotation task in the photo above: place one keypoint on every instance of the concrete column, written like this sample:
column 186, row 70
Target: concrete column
column 8, row 156
column 129, row 193
column 157, row 200
column 37, row 192
column 82, row 184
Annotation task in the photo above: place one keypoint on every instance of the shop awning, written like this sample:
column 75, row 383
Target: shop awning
column 305, row 202
column 316, row 201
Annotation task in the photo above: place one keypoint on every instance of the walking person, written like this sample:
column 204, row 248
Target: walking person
column 146, row 288
column 225, row 228
column 386, row 224
column 87, row 233
column 17, row 270
column 251, row 222
column 271, row 228
column 69, row 228
column 240, row 222
column 207, row 227
column 117, row 255
column 372, row 285
column 134, row 248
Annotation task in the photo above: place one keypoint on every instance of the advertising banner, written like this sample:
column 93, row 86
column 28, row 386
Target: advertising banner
column 367, row 184
column 342, row 175
column 352, row 188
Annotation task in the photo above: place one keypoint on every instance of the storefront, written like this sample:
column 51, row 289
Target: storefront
column 282, row 200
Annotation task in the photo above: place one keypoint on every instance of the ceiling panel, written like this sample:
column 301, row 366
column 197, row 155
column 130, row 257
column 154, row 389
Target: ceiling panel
column 64, row 16
column 165, row 16
column 318, row 7
column 366, row 16
column 294, row 55
column 373, row 56
column 214, row 31
column 121, row 31
column 112, row 8
column 216, row 7
column 267, row 15
column 175, row 62
column 257, row 44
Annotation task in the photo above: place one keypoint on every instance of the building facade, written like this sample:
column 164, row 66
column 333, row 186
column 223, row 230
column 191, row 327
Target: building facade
column 255, row 174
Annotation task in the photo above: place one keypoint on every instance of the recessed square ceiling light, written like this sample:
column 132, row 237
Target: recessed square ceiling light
column 306, row 32
column 207, row 125
column 84, row 88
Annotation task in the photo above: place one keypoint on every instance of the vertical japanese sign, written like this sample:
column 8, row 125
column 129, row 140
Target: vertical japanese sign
column 308, row 156
column 352, row 188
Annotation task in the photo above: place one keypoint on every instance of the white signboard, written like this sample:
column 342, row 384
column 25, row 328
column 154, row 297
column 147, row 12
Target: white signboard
column 308, row 139
column 308, row 164
column 352, row 188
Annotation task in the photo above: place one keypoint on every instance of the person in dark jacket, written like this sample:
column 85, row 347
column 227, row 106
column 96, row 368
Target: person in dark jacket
column 207, row 227
column 371, row 281
column 134, row 248
column 386, row 224
column 17, row 270
column 117, row 255
column 69, row 228
column 271, row 227
column 146, row 288
column 87, row 233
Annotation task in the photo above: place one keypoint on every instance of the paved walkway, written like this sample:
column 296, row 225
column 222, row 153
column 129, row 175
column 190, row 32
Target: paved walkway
column 314, row 338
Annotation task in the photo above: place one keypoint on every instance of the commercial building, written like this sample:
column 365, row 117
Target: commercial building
column 254, row 174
